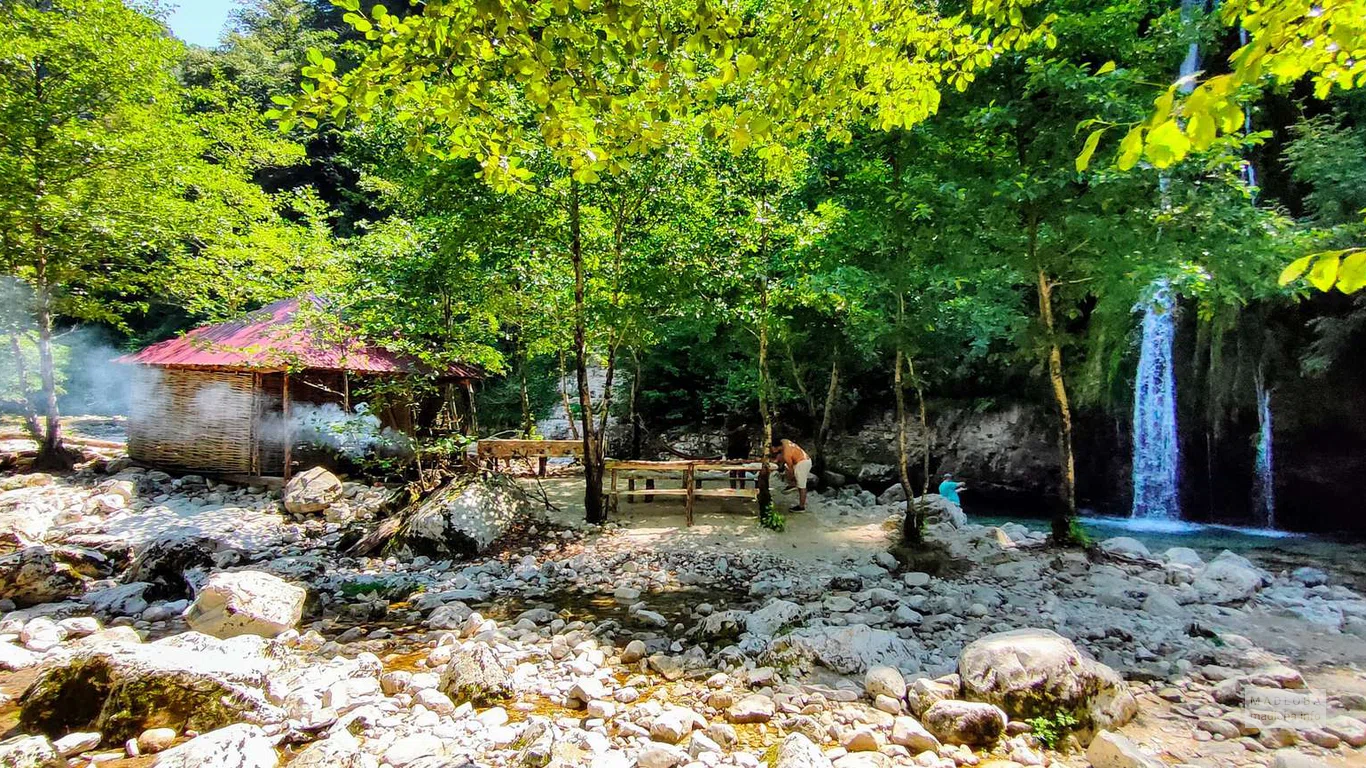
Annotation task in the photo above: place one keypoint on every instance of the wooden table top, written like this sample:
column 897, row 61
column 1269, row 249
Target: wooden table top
column 674, row 465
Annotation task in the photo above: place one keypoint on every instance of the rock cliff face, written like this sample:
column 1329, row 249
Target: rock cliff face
column 1010, row 448
column 1007, row 452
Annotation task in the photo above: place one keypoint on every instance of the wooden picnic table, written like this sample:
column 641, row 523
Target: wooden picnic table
column 691, row 486
column 490, row 451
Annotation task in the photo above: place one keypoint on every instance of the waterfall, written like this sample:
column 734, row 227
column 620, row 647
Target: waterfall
column 1191, row 64
column 1248, row 171
column 1157, row 453
column 1264, row 492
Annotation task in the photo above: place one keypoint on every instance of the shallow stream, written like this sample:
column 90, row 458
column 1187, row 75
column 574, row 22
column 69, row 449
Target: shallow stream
column 1274, row 550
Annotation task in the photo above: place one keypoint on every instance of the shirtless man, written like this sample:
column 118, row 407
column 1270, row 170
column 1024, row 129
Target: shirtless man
column 796, row 467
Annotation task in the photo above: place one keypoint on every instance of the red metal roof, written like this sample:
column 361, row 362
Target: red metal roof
column 275, row 338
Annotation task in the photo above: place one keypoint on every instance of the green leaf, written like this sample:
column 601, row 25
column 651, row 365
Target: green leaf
column 1200, row 129
column 1296, row 268
column 315, row 56
column 1325, row 272
column 1106, row 68
column 1166, row 144
column 746, row 64
column 1089, row 149
column 1352, row 273
column 1131, row 148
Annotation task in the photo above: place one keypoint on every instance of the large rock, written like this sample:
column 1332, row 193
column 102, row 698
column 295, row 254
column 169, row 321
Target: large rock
column 31, row 576
column 1125, row 546
column 461, row 519
column 1037, row 672
column 773, row 617
column 474, row 675
column 246, row 603
column 965, row 722
column 236, row 746
column 797, row 751
column 340, row 750
column 119, row 600
column 313, row 490
column 939, row 509
column 174, row 565
column 1229, row 578
column 121, row 689
column 884, row 681
column 849, row 650
column 29, row 752
column 1114, row 750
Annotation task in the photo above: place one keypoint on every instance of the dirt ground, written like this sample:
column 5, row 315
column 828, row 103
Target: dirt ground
column 728, row 525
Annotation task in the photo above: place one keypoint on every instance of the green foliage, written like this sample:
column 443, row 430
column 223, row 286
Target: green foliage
column 1052, row 730
column 1077, row 534
column 771, row 518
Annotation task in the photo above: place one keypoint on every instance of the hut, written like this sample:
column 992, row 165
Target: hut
column 223, row 398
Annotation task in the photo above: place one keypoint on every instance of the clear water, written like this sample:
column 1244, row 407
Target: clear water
column 1157, row 452
column 1264, row 490
column 1341, row 555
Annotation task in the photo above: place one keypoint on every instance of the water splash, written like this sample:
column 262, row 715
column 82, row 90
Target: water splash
column 1264, row 491
column 1157, row 452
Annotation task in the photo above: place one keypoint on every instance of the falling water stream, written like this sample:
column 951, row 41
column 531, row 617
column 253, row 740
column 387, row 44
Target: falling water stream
column 1264, row 492
column 1157, row 453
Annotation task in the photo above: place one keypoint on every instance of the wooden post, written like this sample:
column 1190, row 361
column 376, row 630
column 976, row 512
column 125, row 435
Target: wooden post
column 544, row 461
column 256, row 401
column 474, row 413
column 631, row 486
column 688, row 483
column 613, row 505
column 649, row 486
column 289, row 434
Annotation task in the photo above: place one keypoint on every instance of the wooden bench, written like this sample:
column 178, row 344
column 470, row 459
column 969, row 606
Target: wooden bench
column 691, row 483
column 490, row 451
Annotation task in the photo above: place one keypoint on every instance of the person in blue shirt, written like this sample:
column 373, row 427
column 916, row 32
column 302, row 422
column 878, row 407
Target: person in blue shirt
column 949, row 489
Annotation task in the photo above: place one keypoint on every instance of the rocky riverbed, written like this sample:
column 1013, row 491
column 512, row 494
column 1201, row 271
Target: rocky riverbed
column 174, row 621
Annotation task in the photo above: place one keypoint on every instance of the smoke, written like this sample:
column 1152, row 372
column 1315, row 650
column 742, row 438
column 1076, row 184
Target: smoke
column 327, row 426
column 93, row 383
column 89, row 382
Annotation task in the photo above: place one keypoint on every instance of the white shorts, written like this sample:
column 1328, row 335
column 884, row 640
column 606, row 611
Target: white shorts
column 803, row 471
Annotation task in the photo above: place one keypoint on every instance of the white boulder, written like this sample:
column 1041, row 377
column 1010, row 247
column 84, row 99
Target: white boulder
column 1229, row 578
column 1114, row 750
column 1036, row 672
column 848, row 650
column 236, row 746
column 313, row 490
column 246, row 603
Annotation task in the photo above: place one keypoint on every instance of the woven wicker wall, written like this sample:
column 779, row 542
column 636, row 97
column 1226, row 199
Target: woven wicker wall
column 196, row 420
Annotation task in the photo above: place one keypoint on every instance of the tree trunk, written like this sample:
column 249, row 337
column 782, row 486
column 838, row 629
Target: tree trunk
column 564, row 395
column 635, row 418
column 763, row 482
column 823, row 431
column 527, row 423
column 51, row 453
column 912, row 529
column 1067, row 508
column 924, row 425
column 592, row 460
column 31, row 424
column 605, row 407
